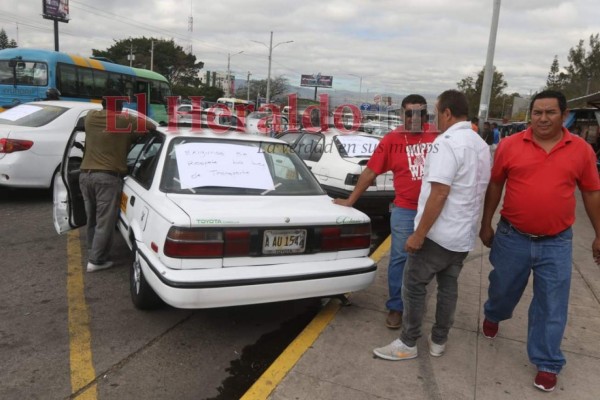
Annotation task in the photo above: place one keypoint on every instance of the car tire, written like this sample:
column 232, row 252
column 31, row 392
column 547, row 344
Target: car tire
column 142, row 295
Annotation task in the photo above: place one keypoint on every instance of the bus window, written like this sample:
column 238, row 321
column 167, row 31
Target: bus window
column 100, row 83
column 125, row 86
column 26, row 72
column 85, row 82
column 141, row 87
column 40, row 74
column 67, row 84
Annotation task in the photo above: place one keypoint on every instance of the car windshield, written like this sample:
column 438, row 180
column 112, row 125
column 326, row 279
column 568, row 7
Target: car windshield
column 31, row 115
column 235, row 167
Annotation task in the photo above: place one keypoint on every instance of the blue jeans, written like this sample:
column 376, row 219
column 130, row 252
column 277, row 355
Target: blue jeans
column 402, row 225
column 513, row 257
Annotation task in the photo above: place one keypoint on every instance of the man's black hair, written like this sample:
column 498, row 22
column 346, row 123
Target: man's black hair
column 413, row 99
column 455, row 101
column 550, row 94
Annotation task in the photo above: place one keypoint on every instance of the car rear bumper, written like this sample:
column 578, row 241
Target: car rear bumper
column 223, row 287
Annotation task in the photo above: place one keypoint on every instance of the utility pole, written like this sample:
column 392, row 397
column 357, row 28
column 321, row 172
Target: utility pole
column 248, row 86
column 269, row 71
column 55, row 35
column 271, row 47
column 228, row 80
column 131, row 52
column 359, row 88
column 488, row 74
column 152, row 56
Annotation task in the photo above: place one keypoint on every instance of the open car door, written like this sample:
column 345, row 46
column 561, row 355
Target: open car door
column 69, row 209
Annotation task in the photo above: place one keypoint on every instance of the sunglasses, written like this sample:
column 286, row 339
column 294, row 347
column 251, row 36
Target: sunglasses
column 411, row 113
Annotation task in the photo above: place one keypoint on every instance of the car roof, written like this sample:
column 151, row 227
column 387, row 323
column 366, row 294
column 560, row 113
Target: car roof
column 212, row 134
column 84, row 105
column 330, row 132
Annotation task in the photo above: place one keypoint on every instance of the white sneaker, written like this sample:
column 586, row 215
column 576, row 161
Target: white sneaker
column 396, row 351
column 91, row 267
column 435, row 349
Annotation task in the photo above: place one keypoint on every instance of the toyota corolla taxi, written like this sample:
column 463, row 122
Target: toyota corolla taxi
column 223, row 219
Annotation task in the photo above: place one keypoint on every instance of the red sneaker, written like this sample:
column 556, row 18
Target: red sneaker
column 545, row 381
column 490, row 329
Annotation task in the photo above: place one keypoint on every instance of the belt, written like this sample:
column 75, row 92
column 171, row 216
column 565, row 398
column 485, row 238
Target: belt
column 529, row 235
column 104, row 171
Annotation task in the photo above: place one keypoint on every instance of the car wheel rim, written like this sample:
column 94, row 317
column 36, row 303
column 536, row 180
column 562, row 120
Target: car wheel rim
column 137, row 272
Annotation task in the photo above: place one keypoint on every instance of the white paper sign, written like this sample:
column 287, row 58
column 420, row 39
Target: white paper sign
column 356, row 145
column 13, row 114
column 222, row 164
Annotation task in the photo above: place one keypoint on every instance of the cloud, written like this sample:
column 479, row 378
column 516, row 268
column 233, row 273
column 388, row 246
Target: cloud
column 400, row 47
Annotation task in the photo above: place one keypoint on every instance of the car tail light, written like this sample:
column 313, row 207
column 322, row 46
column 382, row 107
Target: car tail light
column 352, row 180
column 12, row 145
column 207, row 243
column 237, row 243
column 346, row 237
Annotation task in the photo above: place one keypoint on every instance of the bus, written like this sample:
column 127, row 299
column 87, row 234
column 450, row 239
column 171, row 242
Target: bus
column 26, row 75
column 237, row 106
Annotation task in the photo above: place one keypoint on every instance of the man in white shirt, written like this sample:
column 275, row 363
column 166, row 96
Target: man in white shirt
column 456, row 175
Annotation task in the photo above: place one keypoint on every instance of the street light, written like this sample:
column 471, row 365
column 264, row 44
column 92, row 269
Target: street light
column 228, row 91
column 360, row 87
column 270, row 47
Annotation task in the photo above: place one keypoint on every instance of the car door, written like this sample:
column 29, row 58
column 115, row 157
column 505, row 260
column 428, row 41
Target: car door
column 134, row 196
column 68, row 206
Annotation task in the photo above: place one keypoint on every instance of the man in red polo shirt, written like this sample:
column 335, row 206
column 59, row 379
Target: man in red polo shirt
column 541, row 167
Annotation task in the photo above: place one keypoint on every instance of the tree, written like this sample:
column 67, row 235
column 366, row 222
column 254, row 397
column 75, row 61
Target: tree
column 170, row 60
column 581, row 76
column 209, row 93
column 5, row 43
column 556, row 79
column 279, row 88
column 472, row 87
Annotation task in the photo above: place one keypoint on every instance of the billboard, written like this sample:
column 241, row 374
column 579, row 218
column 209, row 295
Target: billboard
column 317, row 80
column 56, row 9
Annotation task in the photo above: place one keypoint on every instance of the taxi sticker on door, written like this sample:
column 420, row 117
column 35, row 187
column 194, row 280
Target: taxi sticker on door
column 123, row 202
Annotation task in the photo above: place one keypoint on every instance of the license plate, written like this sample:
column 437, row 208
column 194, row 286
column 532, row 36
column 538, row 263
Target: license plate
column 284, row 242
column 123, row 202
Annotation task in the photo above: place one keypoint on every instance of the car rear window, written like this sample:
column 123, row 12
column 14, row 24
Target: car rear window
column 31, row 115
column 236, row 167
column 356, row 145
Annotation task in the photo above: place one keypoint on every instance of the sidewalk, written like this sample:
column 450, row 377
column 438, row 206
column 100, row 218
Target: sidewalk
column 338, row 363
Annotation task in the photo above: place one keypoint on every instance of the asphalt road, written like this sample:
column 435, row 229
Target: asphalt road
column 163, row 354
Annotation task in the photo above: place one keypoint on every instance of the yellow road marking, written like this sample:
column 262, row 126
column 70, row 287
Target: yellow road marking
column 80, row 346
column 269, row 380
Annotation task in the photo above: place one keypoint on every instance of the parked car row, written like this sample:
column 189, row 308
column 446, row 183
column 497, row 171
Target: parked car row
column 193, row 245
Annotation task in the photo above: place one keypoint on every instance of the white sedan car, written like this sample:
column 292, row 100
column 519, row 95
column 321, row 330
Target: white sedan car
column 337, row 159
column 33, row 137
column 265, row 123
column 224, row 219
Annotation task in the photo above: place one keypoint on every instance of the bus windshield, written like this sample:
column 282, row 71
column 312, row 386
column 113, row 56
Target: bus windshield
column 15, row 72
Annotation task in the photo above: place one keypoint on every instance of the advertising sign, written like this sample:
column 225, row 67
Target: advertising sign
column 56, row 9
column 316, row 80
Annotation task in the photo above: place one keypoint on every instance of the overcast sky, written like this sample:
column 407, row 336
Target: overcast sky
column 423, row 46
